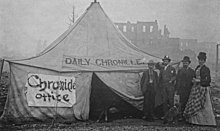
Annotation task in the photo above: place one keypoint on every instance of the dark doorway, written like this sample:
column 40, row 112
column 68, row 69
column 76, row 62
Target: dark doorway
column 102, row 98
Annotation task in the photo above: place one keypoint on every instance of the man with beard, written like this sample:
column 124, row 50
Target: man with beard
column 149, row 82
column 167, row 80
column 184, row 82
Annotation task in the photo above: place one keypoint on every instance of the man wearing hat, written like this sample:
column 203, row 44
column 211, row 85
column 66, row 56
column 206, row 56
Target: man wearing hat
column 167, row 80
column 149, row 82
column 184, row 82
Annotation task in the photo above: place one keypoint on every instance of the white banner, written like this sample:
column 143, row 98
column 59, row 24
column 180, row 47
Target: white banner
column 50, row 91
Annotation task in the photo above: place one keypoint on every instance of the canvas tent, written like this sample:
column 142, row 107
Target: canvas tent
column 57, row 82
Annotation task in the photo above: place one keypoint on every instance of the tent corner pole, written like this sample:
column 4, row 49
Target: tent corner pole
column 2, row 64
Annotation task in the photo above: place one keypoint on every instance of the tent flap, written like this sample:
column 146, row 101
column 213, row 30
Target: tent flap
column 104, row 98
column 126, row 85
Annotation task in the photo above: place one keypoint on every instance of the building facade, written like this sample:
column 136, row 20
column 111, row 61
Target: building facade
column 148, row 37
column 142, row 33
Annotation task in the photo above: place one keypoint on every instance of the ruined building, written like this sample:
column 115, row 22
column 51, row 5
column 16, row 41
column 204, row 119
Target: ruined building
column 142, row 33
column 148, row 37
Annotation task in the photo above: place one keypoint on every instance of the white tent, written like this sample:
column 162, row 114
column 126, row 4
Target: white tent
column 57, row 82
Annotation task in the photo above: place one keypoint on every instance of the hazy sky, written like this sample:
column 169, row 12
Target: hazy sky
column 24, row 22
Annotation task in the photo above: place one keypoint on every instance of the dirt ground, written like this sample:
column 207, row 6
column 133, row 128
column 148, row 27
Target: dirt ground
column 115, row 125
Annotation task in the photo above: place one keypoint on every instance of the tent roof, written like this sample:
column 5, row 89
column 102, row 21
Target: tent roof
column 93, row 43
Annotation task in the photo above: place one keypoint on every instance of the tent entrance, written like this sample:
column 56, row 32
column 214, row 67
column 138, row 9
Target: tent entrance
column 104, row 100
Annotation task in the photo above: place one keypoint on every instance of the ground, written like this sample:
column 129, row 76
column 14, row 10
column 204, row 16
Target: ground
column 119, row 124
column 116, row 125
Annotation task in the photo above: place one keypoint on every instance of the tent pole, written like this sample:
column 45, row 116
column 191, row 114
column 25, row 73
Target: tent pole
column 216, row 66
column 2, row 64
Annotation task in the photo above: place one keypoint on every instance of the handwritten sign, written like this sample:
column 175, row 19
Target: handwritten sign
column 50, row 91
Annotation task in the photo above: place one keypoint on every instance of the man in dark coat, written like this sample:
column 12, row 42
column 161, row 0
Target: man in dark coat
column 167, row 80
column 149, row 82
column 158, row 111
column 184, row 82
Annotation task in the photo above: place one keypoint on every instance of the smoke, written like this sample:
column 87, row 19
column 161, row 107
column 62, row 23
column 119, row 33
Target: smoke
column 202, row 20
column 195, row 19
column 25, row 22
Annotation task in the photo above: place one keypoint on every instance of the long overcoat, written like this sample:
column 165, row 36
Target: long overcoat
column 184, row 83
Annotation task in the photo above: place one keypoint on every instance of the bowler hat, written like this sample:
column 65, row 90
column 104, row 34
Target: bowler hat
column 166, row 57
column 202, row 55
column 150, row 62
column 186, row 58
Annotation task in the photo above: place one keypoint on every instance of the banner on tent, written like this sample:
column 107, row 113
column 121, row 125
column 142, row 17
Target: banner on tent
column 50, row 91
column 71, row 61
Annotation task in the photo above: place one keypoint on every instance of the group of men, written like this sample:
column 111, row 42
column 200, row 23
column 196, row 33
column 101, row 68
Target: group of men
column 160, row 89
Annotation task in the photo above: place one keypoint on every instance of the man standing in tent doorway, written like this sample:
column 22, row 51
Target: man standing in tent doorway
column 149, row 82
column 167, row 80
